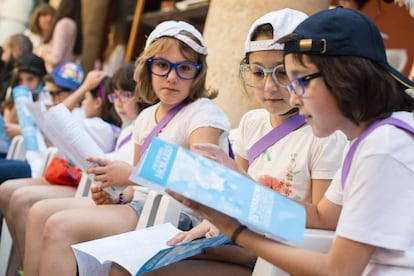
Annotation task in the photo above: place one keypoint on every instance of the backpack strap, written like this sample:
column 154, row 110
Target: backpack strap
column 161, row 124
column 350, row 154
column 275, row 135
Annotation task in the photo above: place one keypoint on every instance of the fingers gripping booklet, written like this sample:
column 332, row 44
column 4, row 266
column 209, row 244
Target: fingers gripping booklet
column 261, row 209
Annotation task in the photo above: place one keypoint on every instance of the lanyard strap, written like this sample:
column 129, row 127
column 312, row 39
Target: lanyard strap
column 170, row 114
column 124, row 141
column 275, row 135
column 350, row 154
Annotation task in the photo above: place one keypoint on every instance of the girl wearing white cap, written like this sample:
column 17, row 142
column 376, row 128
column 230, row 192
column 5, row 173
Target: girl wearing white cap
column 299, row 165
column 171, row 74
column 341, row 80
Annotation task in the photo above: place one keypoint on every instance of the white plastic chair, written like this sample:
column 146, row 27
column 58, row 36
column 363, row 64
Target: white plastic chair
column 159, row 209
column 16, row 150
column 315, row 240
column 83, row 186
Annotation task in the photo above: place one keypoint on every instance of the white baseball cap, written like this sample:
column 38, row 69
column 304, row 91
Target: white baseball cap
column 177, row 30
column 283, row 22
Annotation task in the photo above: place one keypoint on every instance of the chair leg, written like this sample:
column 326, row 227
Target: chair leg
column 6, row 252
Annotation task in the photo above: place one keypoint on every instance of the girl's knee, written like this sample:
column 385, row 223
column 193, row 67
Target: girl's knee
column 56, row 225
column 38, row 213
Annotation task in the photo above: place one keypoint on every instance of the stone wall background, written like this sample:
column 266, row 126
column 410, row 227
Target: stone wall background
column 225, row 30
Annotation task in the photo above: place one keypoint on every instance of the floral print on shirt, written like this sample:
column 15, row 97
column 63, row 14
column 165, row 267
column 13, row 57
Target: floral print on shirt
column 284, row 186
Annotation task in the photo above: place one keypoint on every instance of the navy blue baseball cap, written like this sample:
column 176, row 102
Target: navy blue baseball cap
column 343, row 32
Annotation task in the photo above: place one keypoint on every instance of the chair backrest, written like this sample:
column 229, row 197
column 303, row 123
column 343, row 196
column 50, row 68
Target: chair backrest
column 159, row 209
column 47, row 156
column 84, row 186
column 147, row 217
column 16, row 150
column 169, row 210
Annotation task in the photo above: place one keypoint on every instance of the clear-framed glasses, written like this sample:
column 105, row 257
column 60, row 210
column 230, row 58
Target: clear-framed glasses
column 297, row 86
column 255, row 75
column 185, row 70
column 122, row 96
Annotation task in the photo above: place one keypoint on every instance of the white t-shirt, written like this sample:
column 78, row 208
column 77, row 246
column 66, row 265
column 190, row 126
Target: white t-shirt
column 200, row 113
column 378, row 196
column 124, row 148
column 103, row 133
column 289, row 165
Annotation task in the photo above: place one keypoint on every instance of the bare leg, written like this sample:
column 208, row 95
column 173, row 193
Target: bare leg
column 21, row 202
column 7, row 190
column 36, row 220
column 79, row 225
column 194, row 267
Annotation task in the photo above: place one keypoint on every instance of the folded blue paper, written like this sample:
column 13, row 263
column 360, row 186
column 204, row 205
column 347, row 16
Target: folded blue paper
column 264, row 211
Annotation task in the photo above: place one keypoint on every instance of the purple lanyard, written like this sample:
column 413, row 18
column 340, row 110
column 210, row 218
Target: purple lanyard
column 350, row 154
column 275, row 135
column 170, row 114
column 124, row 141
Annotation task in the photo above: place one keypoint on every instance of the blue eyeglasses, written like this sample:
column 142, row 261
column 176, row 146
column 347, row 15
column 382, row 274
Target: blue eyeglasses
column 185, row 70
column 297, row 86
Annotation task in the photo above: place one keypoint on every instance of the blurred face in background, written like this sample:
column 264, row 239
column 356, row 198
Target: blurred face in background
column 29, row 80
column 45, row 23
column 57, row 94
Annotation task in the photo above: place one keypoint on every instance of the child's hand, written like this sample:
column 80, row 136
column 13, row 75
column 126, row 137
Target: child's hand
column 204, row 229
column 100, row 196
column 110, row 173
column 93, row 79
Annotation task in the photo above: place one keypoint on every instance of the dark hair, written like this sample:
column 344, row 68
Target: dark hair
column 108, row 113
column 362, row 89
column 40, row 10
column 123, row 79
column 69, row 9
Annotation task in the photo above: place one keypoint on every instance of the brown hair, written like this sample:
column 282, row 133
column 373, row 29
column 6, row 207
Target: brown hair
column 123, row 79
column 362, row 89
column 40, row 10
column 69, row 9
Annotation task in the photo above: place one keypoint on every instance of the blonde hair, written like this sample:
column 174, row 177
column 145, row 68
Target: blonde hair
column 143, row 76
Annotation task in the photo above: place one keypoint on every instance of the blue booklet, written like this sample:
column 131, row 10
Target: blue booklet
column 180, row 252
column 261, row 209
column 4, row 139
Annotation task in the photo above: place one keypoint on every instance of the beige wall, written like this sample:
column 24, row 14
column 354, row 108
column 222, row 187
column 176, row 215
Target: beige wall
column 226, row 26
column 93, row 19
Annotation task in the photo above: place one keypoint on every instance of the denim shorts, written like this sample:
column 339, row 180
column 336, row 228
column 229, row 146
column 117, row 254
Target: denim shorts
column 185, row 221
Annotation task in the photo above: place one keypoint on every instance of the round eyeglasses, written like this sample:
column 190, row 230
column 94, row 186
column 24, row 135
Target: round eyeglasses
column 123, row 96
column 185, row 70
column 255, row 75
column 298, row 85
column 55, row 93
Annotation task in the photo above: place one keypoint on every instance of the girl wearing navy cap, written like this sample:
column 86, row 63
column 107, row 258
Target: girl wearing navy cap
column 340, row 82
